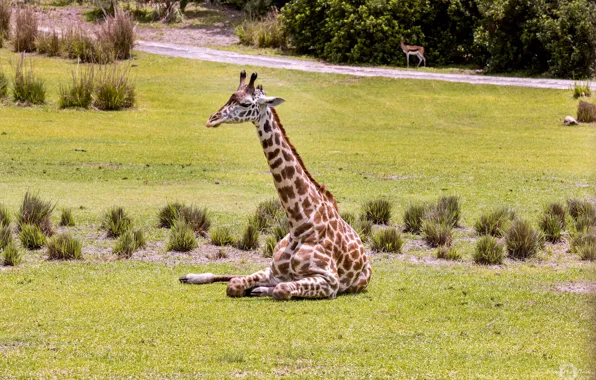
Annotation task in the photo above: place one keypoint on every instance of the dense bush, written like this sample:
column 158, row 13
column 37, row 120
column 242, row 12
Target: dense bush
column 5, row 235
column 267, row 213
column 3, row 85
column 79, row 45
column 552, row 221
column 64, row 247
column 448, row 253
column 582, row 212
column 197, row 218
column 269, row 246
column 414, row 216
column 129, row 242
column 437, row 233
column 584, row 244
column 4, row 215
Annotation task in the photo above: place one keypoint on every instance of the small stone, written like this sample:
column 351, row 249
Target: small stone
column 569, row 120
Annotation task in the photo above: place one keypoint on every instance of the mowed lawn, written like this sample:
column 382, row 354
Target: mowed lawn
column 365, row 138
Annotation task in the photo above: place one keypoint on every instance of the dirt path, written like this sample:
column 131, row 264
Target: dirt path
column 206, row 54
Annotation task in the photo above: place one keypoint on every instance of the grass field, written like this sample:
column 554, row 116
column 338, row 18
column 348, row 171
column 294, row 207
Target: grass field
column 365, row 138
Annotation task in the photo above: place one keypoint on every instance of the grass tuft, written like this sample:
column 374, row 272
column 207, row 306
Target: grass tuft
column 3, row 85
column 64, row 247
column 586, row 112
column 35, row 211
column 377, row 211
column 581, row 89
column 182, row 237
column 113, row 89
column 489, row 251
column 414, row 216
column 5, row 235
column 168, row 214
column 267, row 32
column 584, row 244
column 129, row 242
column 250, row 237
column 386, row 240
column 116, row 221
column 26, row 30
column 11, row 255
column 86, row 49
column 66, row 218
column 280, row 228
column 49, row 44
column 221, row 236
column 267, row 213
column 269, row 246
column 582, row 212
column 119, row 32
column 495, row 223
column 448, row 253
column 5, row 15
column 197, row 218
column 349, row 217
column 447, row 211
column 437, row 233
column 79, row 93
column 552, row 222
column 4, row 215
column 522, row 241
column 31, row 236
column 27, row 88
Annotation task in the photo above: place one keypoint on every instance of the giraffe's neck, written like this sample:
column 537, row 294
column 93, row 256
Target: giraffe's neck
column 299, row 194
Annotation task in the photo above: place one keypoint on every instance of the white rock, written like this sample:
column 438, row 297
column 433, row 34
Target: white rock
column 569, row 121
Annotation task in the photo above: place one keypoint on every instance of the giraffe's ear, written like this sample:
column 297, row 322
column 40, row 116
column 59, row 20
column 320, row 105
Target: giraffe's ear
column 271, row 101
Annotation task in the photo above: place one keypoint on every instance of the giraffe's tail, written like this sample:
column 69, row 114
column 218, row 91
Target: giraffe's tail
column 204, row 278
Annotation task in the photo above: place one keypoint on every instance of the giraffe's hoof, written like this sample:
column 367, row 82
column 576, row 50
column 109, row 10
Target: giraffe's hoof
column 203, row 278
column 282, row 292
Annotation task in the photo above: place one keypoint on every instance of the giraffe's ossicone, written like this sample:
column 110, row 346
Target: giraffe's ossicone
column 322, row 256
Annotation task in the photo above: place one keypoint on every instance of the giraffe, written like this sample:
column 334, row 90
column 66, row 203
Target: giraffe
column 322, row 256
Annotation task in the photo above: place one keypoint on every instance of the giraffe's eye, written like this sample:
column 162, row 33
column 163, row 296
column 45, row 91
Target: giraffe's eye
column 245, row 104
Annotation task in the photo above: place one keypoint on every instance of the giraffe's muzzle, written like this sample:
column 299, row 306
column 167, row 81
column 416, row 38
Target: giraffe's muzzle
column 215, row 120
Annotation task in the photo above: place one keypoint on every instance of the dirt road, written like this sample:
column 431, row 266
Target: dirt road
column 213, row 55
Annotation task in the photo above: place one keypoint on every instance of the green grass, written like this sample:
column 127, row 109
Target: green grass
column 104, row 319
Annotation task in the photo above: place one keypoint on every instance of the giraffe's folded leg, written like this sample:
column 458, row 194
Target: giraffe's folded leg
column 309, row 287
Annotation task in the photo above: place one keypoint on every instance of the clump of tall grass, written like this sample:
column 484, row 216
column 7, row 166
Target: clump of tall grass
column 414, row 216
column 522, row 241
column 250, row 237
column 448, row 253
column 495, row 222
column 552, row 221
column 66, row 218
column 582, row 212
column 221, row 236
column 113, row 89
column 437, row 233
column 26, row 30
column 169, row 214
column 3, row 84
column 118, row 30
column 4, row 215
column 363, row 228
column 267, row 32
column 5, row 235
column 129, row 242
column 584, row 244
column 377, row 211
column 586, row 112
column 5, row 15
column 280, row 228
column 489, row 251
column 79, row 45
column 31, row 236
column 116, row 221
column 79, row 93
column 49, row 44
column 64, row 247
column 182, row 237
column 348, row 217
column 197, row 218
column 37, row 212
column 27, row 88
column 269, row 246
column 581, row 89
column 11, row 255
column 386, row 240
column 447, row 211
column 267, row 213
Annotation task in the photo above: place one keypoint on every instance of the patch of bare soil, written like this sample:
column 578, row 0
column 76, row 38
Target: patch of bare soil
column 577, row 287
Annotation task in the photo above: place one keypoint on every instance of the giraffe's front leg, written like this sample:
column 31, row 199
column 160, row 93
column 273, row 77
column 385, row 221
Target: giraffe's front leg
column 309, row 287
column 242, row 286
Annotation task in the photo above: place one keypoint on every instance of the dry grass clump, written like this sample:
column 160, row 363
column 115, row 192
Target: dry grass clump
column 79, row 93
column 66, row 218
column 448, row 253
column 386, row 240
column 552, row 222
column 26, row 30
column 119, row 32
column 49, row 44
column 377, row 211
column 489, row 251
column 586, row 112
column 250, row 237
column 113, row 89
column 35, row 211
column 221, row 236
column 27, row 88
column 182, row 237
column 437, row 233
column 584, row 244
column 64, row 247
column 31, row 236
column 11, row 255
column 267, row 32
column 522, row 241
column 116, row 221
column 495, row 222
column 129, row 242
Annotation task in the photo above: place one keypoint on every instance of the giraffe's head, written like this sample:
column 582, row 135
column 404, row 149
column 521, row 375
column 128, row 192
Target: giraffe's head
column 248, row 103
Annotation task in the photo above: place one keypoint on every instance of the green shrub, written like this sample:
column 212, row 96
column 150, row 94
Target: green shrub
column 182, row 237
column 250, row 237
column 79, row 93
column 129, row 242
column 269, row 246
column 267, row 32
column 31, row 236
column 581, row 90
column 448, row 253
column 49, row 44
column 113, row 89
column 582, row 212
column 349, row 218
column 197, row 218
column 495, row 222
column 447, row 210
column 11, row 255
column 280, row 228
column 4, row 215
column 584, row 244
column 3, row 85
column 386, row 240
column 27, row 88
column 64, row 247
column 168, row 214
column 267, row 213
column 437, row 233
column 35, row 211
column 377, row 211
column 118, row 31
column 221, row 236
column 5, row 14
column 26, row 30
column 489, row 251
column 66, row 218
column 84, row 48
column 5, row 235
column 522, row 241
column 363, row 228
column 116, row 221
column 414, row 216
column 552, row 221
